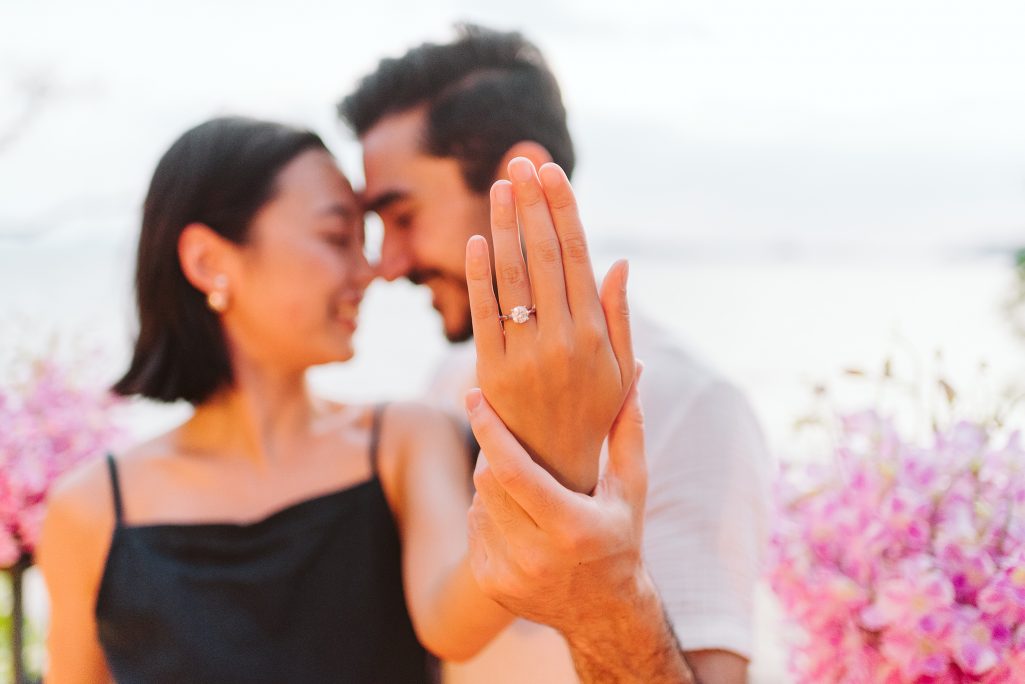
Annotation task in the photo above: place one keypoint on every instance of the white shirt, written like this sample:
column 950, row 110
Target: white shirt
column 705, row 520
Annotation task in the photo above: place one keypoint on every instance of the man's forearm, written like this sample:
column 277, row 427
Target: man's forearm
column 636, row 644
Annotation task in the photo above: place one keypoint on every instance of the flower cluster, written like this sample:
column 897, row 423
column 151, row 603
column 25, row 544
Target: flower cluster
column 902, row 562
column 49, row 423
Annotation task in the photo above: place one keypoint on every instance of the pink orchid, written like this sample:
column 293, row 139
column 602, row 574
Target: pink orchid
column 903, row 562
column 52, row 422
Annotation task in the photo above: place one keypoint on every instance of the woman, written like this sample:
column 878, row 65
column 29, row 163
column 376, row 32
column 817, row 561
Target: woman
column 273, row 536
column 251, row 269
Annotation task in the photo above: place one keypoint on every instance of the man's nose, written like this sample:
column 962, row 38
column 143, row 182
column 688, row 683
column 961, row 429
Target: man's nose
column 396, row 259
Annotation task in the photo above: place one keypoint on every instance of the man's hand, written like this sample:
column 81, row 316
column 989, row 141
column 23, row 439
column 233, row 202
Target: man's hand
column 570, row 560
column 558, row 379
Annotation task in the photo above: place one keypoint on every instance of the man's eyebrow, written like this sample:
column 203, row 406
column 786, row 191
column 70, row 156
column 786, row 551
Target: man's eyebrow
column 383, row 201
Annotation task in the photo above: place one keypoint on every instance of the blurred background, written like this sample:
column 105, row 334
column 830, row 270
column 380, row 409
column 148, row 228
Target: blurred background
column 805, row 190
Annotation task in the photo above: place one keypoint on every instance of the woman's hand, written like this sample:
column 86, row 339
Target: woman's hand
column 558, row 379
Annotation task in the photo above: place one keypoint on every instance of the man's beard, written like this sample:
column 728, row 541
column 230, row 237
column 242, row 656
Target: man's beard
column 464, row 333
column 423, row 276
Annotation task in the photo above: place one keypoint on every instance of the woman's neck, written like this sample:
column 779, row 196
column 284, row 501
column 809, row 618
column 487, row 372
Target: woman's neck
column 262, row 418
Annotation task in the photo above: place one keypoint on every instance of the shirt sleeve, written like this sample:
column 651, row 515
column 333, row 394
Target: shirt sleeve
column 706, row 520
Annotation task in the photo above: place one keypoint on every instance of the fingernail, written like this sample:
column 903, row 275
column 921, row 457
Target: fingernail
column 640, row 368
column 520, row 169
column 473, row 399
column 502, row 192
column 550, row 174
column 478, row 246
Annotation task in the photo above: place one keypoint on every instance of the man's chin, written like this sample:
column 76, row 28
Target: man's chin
column 457, row 328
column 453, row 306
column 459, row 334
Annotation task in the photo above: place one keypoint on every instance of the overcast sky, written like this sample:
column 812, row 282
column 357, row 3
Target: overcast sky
column 737, row 123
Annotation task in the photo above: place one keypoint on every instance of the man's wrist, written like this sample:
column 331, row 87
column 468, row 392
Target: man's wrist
column 632, row 641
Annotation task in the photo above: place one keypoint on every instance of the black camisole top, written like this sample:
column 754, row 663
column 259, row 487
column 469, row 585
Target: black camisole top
column 312, row 593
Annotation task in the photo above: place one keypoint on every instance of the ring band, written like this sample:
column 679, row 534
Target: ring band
column 519, row 314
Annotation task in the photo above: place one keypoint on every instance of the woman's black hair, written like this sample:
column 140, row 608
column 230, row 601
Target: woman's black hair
column 219, row 174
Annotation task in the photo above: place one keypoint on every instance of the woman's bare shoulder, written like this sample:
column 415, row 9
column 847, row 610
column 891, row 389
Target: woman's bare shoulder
column 83, row 498
column 83, row 494
column 78, row 526
column 419, row 425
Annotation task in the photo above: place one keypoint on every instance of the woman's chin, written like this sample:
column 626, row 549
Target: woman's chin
column 343, row 352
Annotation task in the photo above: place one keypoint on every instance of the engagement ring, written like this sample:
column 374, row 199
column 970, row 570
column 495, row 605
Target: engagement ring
column 519, row 314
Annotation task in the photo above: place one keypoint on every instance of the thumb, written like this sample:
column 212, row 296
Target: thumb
column 627, row 466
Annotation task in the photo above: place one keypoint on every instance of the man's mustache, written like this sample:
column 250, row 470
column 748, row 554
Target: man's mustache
column 420, row 277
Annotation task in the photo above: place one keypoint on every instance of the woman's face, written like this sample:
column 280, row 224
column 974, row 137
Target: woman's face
column 301, row 275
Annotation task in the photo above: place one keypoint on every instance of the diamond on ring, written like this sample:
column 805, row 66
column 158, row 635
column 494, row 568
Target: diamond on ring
column 519, row 314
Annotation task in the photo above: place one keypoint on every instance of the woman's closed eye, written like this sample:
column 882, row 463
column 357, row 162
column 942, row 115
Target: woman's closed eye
column 344, row 240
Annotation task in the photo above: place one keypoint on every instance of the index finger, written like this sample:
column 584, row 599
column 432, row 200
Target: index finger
column 581, row 290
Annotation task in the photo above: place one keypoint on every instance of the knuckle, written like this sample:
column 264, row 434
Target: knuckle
column 481, row 481
column 562, row 200
column 483, row 308
column 511, row 274
column 507, row 474
column 574, row 246
column 574, row 540
column 592, row 335
column 548, row 251
column 530, row 196
column 559, row 345
column 534, row 564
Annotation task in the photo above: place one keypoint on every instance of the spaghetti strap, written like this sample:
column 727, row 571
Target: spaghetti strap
column 377, row 419
column 116, row 489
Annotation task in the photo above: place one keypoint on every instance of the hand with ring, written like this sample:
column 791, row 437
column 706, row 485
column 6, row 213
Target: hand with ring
column 554, row 356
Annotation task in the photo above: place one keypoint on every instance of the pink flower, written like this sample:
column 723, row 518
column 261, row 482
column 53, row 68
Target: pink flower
column 916, row 597
column 978, row 644
column 905, row 563
column 10, row 552
column 51, row 422
column 918, row 650
column 1003, row 597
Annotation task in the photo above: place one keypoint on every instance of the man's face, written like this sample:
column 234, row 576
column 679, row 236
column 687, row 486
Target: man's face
column 428, row 214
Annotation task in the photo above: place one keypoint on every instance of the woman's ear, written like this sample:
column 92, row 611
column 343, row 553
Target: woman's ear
column 535, row 152
column 206, row 258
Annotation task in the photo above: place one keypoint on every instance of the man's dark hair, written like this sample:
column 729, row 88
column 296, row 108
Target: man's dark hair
column 483, row 93
column 219, row 174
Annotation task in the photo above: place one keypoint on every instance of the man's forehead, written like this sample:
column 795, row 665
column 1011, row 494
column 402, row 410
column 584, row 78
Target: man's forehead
column 390, row 148
column 395, row 135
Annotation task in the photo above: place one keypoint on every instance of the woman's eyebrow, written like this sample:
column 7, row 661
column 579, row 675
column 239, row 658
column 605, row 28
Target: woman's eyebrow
column 345, row 211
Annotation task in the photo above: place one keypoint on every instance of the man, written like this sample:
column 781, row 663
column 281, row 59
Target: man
column 438, row 126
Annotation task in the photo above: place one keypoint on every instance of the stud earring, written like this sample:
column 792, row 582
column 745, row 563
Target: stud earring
column 217, row 299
